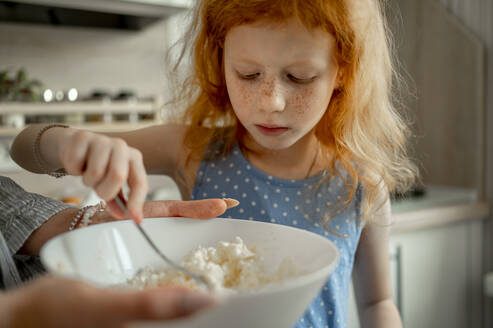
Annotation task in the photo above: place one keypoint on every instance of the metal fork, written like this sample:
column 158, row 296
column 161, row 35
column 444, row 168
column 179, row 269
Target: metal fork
column 120, row 200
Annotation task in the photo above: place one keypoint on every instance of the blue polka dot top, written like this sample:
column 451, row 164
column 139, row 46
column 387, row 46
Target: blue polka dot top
column 296, row 203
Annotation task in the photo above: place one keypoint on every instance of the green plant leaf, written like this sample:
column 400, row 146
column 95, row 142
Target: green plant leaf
column 21, row 76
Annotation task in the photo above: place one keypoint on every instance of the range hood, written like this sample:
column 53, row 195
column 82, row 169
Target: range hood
column 122, row 14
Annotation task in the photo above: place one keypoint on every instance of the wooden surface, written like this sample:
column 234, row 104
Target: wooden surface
column 443, row 65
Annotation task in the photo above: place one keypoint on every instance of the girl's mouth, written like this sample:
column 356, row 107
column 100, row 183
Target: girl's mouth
column 271, row 130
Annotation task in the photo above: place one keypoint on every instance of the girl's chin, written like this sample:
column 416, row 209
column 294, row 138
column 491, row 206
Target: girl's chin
column 273, row 143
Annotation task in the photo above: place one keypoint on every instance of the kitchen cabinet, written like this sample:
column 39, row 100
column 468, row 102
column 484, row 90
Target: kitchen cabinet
column 437, row 276
column 92, row 115
column 133, row 15
column 98, row 116
column 128, row 7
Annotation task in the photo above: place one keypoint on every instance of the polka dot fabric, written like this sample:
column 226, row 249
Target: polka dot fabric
column 296, row 203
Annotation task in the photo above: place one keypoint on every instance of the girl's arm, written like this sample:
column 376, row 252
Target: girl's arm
column 161, row 146
column 105, row 161
column 371, row 276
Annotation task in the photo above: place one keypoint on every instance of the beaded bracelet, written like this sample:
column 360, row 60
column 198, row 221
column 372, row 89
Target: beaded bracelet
column 77, row 218
column 84, row 215
column 38, row 158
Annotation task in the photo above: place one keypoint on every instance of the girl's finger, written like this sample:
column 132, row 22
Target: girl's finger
column 137, row 182
column 74, row 152
column 98, row 156
column 116, row 175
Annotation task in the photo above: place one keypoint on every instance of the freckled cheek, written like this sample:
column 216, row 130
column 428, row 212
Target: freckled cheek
column 241, row 94
column 303, row 102
column 243, row 99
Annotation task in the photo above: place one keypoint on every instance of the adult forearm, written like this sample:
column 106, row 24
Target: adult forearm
column 22, row 150
column 57, row 224
column 383, row 314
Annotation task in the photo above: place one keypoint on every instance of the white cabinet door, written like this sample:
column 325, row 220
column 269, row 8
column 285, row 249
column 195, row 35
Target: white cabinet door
column 434, row 277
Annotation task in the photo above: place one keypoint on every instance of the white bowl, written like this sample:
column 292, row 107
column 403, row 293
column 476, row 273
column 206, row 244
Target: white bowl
column 110, row 253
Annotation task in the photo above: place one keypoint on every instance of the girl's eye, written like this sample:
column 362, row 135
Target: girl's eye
column 248, row 76
column 300, row 80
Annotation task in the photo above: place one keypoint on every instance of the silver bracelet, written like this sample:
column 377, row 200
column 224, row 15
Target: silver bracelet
column 38, row 158
column 84, row 215
column 77, row 218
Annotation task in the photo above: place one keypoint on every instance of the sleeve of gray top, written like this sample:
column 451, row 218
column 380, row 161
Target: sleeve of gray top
column 9, row 276
column 22, row 212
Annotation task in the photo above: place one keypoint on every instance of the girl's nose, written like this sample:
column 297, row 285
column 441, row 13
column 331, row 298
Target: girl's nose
column 272, row 97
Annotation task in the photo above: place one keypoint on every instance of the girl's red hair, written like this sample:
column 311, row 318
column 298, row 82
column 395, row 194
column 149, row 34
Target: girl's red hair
column 360, row 128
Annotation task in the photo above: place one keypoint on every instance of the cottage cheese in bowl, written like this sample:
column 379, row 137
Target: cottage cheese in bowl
column 270, row 270
column 229, row 266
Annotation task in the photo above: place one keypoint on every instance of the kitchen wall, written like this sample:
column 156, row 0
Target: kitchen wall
column 443, row 65
column 477, row 15
column 86, row 58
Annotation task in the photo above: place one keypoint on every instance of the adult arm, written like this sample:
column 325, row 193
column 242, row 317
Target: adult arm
column 59, row 223
column 22, row 213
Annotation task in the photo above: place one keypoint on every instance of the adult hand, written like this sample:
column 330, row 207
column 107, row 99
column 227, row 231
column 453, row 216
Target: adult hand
column 200, row 209
column 57, row 224
column 60, row 302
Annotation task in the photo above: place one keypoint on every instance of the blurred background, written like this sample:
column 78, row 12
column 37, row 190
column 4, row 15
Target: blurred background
column 100, row 64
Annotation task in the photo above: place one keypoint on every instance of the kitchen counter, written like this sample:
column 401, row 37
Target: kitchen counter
column 439, row 206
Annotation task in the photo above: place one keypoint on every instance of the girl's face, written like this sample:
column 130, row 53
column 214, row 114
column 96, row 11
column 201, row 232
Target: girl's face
column 280, row 79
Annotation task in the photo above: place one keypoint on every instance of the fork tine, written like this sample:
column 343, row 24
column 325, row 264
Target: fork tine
column 120, row 200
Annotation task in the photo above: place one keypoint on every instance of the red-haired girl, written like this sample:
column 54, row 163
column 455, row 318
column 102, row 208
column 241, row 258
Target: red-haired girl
column 289, row 111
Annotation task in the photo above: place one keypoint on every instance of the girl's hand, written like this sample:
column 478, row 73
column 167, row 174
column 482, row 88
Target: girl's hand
column 105, row 164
